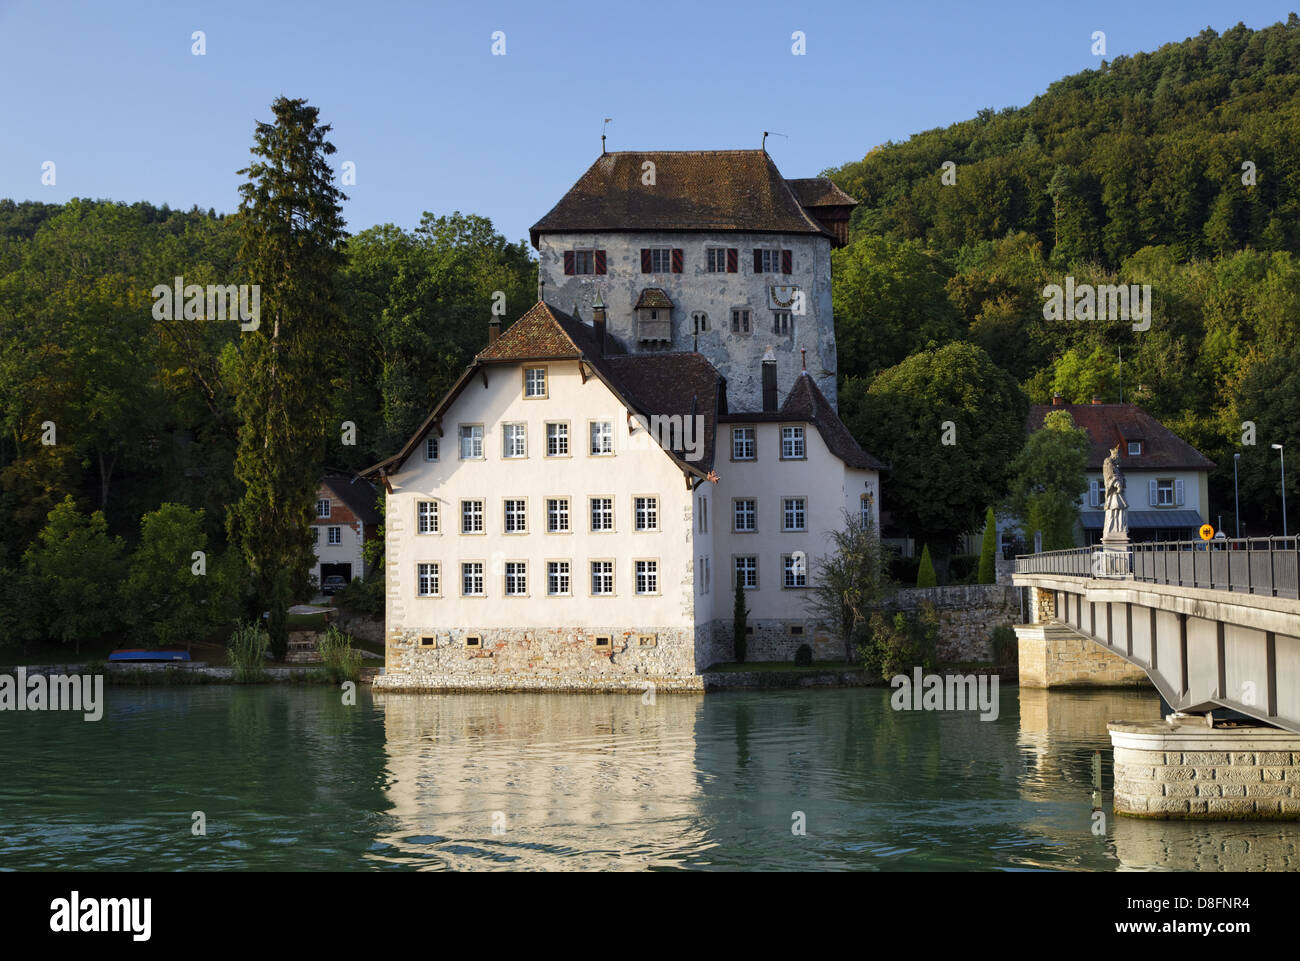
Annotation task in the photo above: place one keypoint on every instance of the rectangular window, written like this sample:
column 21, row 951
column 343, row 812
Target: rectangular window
column 773, row 261
column 864, row 510
column 657, row 260
column 557, row 577
column 474, row 640
column 743, row 445
column 1164, row 493
column 323, row 507
column 335, row 535
column 703, row 512
column 431, row 448
column 583, row 262
column 781, row 323
column 516, row 516
column 427, row 517
column 716, row 260
column 602, row 577
column 471, row 517
column 1134, row 448
column 740, row 320
column 471, row 441
column 557, row 515
column 315, row 535
column 514, row 440
column 793, row 514
column 602, row 513
column 746, row 515
column 792, row 445
column 747, row 572
column 603, row 642
column 471, row 579
column 795, row 568
column 704, row 574
column 557, row 440
column 516, row 578
column 428, row 577
column 535, row 382
column 647, row 577
column 646, row 513
column 602, row 437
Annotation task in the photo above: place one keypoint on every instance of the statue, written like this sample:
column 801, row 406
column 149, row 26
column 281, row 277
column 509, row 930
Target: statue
column 1116, row 526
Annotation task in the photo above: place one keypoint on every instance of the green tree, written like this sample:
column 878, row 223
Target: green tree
column 925, row 576
column 849, row 581
column 989, row 550
column 739, row 621
column 167, row 602
column 1048, row 478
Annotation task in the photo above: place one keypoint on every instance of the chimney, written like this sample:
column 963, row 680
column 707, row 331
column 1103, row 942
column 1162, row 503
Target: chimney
column 494, row 330
column 769, row 380
column 598, row 322
column 541, row 289
column 1096, row 399
column 1058, row 400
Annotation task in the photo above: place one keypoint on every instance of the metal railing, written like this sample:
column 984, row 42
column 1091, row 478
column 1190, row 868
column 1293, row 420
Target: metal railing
column 1248, row 565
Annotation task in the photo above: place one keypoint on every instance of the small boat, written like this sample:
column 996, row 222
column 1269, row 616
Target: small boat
column 143, row 655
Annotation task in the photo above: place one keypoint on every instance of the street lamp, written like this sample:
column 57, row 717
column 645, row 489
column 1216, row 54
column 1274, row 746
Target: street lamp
column 1282, row 454
column 1236, row 499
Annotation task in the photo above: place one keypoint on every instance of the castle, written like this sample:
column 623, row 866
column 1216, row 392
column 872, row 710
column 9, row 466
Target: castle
column 659, row 426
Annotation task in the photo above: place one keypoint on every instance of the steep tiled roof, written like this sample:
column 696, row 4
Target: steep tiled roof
column 693, row 190
column 357, row 494
column 820, row 192
column 537, row 334
column 1109, row 425
column 653, row 297
column 669, row 384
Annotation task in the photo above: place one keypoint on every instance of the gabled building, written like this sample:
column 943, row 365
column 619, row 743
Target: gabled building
column 347, row 516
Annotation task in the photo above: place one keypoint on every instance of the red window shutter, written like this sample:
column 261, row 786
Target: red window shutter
column 568, row 261
column 758, row 261
column 645, row 260
column 733, row 259
column 600, row 261
column 787, row 261
column 677, row 260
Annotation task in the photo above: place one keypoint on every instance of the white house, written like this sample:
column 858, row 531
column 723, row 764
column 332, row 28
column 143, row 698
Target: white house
column 346, row 517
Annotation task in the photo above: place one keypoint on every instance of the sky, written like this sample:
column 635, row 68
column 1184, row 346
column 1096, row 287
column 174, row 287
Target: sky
column 115, row 96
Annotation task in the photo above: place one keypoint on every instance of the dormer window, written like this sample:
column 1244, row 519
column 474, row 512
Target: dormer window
column 654, row 317
column 1134, row 448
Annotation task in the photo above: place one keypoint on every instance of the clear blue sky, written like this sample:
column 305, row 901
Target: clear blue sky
column 113, row 95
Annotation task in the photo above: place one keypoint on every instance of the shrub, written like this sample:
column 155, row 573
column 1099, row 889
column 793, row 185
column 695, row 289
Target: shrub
column 739, row 622
column 341, row 661
column 247, row 651
column 895, row 645
column 803, row 656
column 363, row 596
column 988, row 571
column 925, row 572
column 1006, row 650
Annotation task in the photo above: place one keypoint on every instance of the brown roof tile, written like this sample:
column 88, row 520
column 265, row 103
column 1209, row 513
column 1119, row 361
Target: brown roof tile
column 820, row 192
column 1109, row 425
column 653, row 297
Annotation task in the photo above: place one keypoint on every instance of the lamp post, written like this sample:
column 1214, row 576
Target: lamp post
column 1282, row 454
column 1236, row 499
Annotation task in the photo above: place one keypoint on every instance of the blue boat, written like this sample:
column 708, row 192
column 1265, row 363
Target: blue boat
column 143, row 655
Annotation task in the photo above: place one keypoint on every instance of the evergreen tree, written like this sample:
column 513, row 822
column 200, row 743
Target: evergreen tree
column 739, row 622
column 925, row 572
column 988, row 550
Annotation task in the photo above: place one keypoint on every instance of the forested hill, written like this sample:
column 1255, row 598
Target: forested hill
column 1145, row 150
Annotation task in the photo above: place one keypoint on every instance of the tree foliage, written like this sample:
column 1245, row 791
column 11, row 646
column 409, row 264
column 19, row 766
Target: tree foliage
column 1048, row 478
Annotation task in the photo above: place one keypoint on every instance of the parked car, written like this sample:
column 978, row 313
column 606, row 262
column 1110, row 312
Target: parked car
column 333, row 583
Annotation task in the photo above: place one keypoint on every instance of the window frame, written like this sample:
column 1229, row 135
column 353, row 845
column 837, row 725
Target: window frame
column 328, row 507
column 753, row 441
column 604, row 453
column 420, row 515
column 735, row 515
column 481, row 575
column 546, row 381
column 735, row 326
column 482, row 516
column 591, row 513
column 568, row 577
column 803, row 512
column 803, row 442
column 612, row 575
column 567, row 501
column 507, row 574
column 735, row 571
column 637, row 574
column 786, row 561
column 506, row 513
column 431, row 442
column 636, row 510
column 420, row 575
column 512, row 431
column 461, row 438
column 568, row 438
column 334, row 535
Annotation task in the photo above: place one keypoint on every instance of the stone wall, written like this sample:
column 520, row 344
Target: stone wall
column 968, row 613
column 771, row 640
column 1053, row 655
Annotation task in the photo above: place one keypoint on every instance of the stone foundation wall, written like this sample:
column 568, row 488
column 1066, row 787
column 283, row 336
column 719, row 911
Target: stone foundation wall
column 968, row 613
column 1052, row 655
column 770, row 640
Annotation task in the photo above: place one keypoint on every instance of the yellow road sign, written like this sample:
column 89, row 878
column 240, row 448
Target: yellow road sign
column 1206, row 532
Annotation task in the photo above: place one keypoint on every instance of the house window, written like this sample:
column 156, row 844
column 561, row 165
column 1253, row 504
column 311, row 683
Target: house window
column 864, row 510
column 603, row 642
column 474, row 640
column 781, row 323
column 583, row 262
column 335, row 535
column 703, row 513
column 701, row 321
column 428, row 642
column 792, row 514
column 715, row 260
column 602, row 513
column 659, row 260
column 514, row 440
column 315, row 535
column 792, row 445
column 743, row 446
column 745, row 513
column 557, row 577
column 1168, row 492
column 647, row 640
column 557, row 515
column 535, row 382
column 516, row 516
column 427, row 517
column 431, row 448
column 471, row 517
column 428, row 577
column 602, row 577
column 747, row 572
column 704, row 575
column 323, row 507
column 795, row 568
column 471, row 441
column 557, row 440
column 773, row 261
column 740, row 320
column 647, row 513
column 471, row 579
column 1134, row 448
column 602, row 437
column 516, row 578
column 647, row 577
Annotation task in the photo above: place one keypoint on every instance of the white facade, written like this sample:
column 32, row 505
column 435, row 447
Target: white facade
column 1157, row 490
column 339, row 537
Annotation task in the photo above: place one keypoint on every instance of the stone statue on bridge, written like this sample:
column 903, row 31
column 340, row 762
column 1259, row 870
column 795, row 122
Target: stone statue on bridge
column 1116, row 525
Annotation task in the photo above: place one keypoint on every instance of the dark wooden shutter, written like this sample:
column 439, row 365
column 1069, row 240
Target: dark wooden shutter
column 677, row 260
column 733, row 260
column 758, row 261
column 600, row 261
column 787, row 261
column 645, row 260
column 568, row 261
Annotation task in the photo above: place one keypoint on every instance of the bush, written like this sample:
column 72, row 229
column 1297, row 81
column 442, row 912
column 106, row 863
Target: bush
column 1006, row 649
column 363, row 596
column 898, row 644
column 988, row 571
column 803, row 656
column 739, row 623
column 341, row 661
column 247, row 653
column 925, row 572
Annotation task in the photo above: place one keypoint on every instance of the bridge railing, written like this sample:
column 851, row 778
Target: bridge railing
column 1249, row 565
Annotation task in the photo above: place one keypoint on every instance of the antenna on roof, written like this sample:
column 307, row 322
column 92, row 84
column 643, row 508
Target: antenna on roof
column 608, row 120
column 771, row 133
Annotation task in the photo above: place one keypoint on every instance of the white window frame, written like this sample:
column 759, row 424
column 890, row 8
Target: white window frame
column 428, row 570
column 605, row 435
column 323, row 514
column 514, row 440
column 591, row 514
column 553, row 575
column 1135, row 448
column 797, row 433
column 517, row 515
column 480, row 515
column 607, row 577
column 334, row 536
column 431, row 448
column 736, row 571
column 645, row 570
column 531, row 383
column 738, row 436
column 649, row 509
column 787, row 573
column 514, row 574
column 800, row 510
column 422, row 515
column 473, row 433
column 557, row 433
column 557, row 507
column 751, row 514
column 474, row 576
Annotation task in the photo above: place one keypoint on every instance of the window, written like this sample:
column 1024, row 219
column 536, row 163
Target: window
column 428, row 577
column 704, row 575
column 715, row 260
column 701, row 321
column 796, row 630
column 659, row 260
column 1134, row 448
column 583, row 262
column 792, row 446
column 535, row 382
column 702, row 511
column 557, row 440
column 745, row 513
column 781, row 323
column 1166, row 493
column 602, row 577
column 793, row 514
column 773, row 261
column 647, row 513
column 315, row 535
column 795, row 568
column 557, row 515
column 516, row 578
column 471, row 441
column 429, row 642
column 473, row 640
column 514, row 440
column 471, row 517
column 647, row 640
column 864, row 508
column 740, row 320
column 335, row 535
column 603, row 642
column 747, row 572
column 743, row 446
column 602, row 437
column 516, row 516
column 323, row 507
column 647, row 577
column 427, row 517
column 602, row 513
column 471, row 579
column 557, row 577
column 431, row 448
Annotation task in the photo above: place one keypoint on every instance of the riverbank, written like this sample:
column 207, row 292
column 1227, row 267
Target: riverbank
column 182, row 673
